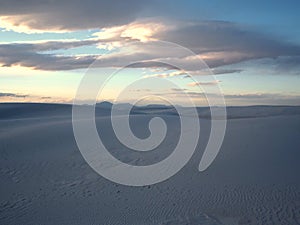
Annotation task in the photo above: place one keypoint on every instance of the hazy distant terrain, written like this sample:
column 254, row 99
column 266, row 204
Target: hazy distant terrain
column 37, row 110
column 254, row 179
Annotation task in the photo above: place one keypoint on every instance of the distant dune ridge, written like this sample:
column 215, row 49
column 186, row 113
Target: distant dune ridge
column 27, row 110
column 254, row 179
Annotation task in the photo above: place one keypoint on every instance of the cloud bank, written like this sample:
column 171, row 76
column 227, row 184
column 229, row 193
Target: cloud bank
column 61, row 15
column 124, row 32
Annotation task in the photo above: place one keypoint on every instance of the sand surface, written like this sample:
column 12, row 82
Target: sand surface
column 45, row 180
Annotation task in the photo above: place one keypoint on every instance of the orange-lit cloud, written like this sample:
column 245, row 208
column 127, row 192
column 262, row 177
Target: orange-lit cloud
column 26, row 24
column 140, row 31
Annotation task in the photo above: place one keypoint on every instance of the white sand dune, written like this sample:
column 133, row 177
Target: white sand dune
column 254, row 179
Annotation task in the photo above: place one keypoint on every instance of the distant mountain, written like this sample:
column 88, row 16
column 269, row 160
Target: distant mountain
column 157, row 106
column 104, row 105
column 123, row 106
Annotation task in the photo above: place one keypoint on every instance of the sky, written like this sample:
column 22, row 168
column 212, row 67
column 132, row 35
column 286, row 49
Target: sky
column 252, row 48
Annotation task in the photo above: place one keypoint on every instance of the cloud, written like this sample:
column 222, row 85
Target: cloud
column 4, row 94
column 219, row 36
column 203, row 72
column 222, row 43
column 242, row 99
column 208, row 83
column 141, row 90
column 287, row 64
column 142, row 30
column 29, row 55
column 262, row 98
column 218, row 43
column 62, row 15
column 170, row 74
column 221, row 71
column 17, row 97
column 178, row 89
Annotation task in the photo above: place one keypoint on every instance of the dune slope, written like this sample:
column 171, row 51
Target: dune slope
column 45, row 180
